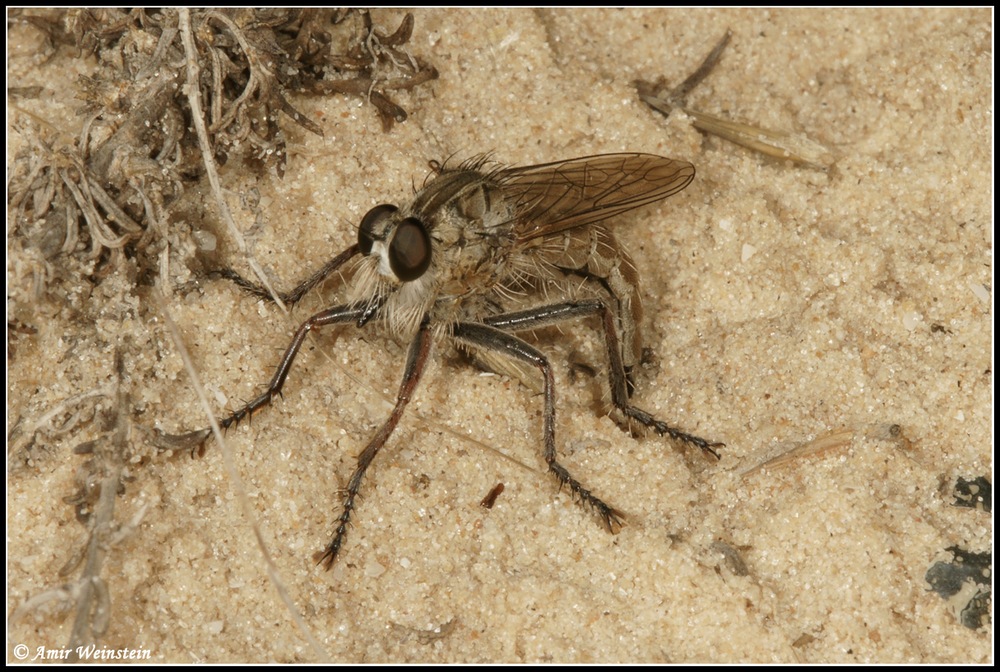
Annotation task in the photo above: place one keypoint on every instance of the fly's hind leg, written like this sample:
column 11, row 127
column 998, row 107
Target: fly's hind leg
column 486, row 337
column 560, row 312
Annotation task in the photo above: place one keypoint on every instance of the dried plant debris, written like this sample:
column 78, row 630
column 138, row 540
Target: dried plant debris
column 784, row 145
column 965, row 584
column 380, row 65
column 824, row 445
column 491, row 497
column 974, row 494
column 406, row 633
column 100, row 481
column 732, row 557
column 107, row 189
column 15, row 329
column 28, row 438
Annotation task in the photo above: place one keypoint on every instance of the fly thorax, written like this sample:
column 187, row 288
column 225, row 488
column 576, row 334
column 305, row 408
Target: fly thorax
column 474, row 238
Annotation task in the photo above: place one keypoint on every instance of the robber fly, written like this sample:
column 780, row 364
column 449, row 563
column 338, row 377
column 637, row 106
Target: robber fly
column 475, row 242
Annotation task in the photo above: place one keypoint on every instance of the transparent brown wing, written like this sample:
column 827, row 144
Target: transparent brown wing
column 553, row 197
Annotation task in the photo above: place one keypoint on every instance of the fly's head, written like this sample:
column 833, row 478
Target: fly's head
column 395, row 269
column 449, row 243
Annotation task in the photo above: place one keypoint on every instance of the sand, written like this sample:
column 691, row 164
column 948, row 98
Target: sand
column 834, row 326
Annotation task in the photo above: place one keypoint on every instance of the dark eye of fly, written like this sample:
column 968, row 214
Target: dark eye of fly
column 368, row 222
column 410, row 250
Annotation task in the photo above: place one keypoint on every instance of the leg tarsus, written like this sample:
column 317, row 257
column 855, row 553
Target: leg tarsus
column 612, row 519
column 663, row 429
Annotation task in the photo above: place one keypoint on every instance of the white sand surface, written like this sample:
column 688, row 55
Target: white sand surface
column 785, row 305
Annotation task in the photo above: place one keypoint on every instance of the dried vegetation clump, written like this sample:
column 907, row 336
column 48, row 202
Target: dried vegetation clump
column 110, row 191
column 99, row 209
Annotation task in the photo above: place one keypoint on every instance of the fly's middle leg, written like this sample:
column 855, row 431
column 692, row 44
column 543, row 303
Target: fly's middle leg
column 416, row 362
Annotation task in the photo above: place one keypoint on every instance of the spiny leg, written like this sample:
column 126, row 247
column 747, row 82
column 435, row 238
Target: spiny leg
column 559, row 312
column 292, row 297
column 491, row 338
column 355, row 312
column 416, row 362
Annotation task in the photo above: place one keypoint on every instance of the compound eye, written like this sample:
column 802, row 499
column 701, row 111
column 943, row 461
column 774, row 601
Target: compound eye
column 366, row 237
column 410, row 250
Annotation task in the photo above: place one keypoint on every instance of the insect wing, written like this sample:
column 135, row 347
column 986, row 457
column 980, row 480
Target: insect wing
column 554, row 197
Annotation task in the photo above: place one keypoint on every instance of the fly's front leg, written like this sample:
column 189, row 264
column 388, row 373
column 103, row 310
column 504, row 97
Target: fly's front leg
column 293, row 296
column 416, row 362
column 548, row 315
column 487, row 337
column 355, row 312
